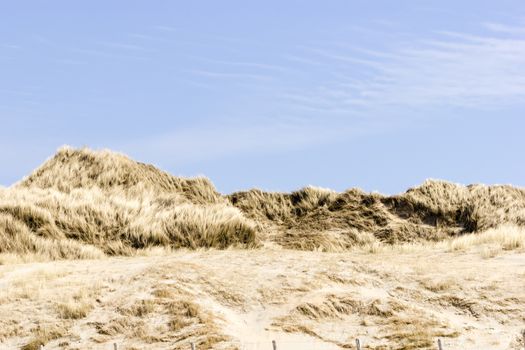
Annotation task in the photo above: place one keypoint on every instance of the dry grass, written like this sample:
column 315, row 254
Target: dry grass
column 318, row 219
column 73, row 309
column 72, row 169
column 178, row 323
column 488, row 244
column 43, row 335
column 84, row 204
column 141, row 308
column 184, row 308
column 334, row 306
column 505, row 237
column 404, row 327
column 164, row 293
column 415, row 331
column 78, row 305
column 440, row 285
column 152, row 321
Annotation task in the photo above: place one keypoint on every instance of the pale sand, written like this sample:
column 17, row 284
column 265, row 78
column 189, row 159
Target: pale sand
column 471, row 302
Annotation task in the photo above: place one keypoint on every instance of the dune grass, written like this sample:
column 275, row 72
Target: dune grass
column 84, row 204
column 319, row 219
column 503, row 238
column 488, row 244
column 88, row 224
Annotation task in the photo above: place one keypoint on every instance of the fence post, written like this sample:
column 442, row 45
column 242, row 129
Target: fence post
column 274, row 345
column 115, row 346
column 358, row 344
column 192, row 346
column 440, row 347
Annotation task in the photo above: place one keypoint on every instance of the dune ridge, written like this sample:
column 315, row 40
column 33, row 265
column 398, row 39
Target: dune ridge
column 85, row 204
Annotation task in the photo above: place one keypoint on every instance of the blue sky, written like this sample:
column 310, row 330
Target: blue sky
column 277, row 95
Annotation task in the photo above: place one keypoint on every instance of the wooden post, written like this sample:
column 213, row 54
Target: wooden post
column 440, row 347
column 115, row 346
column 192, row 346
column 358, row 344
column 274, row 345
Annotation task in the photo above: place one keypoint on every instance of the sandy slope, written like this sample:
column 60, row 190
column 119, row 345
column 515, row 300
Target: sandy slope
column 246, row 298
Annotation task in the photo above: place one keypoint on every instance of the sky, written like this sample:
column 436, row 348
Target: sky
column 276, row 95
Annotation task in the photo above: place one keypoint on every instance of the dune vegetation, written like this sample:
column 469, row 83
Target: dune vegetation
column 87, row 204
column 173, row 261
column 84, row 204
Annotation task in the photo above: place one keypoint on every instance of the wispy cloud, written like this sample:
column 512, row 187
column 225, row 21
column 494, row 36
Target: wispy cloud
column 166, row 28
column 502, row 28
column 341, row 57
column 229, row 75
column 11, row 46
column 107, row 54
column 256, row 65
column 147, row 37
column 105, row 49
column 449, row 69
column 69, row 61
column 346, row 89
column 302, row 60
column 16, row 92
column 124, row 46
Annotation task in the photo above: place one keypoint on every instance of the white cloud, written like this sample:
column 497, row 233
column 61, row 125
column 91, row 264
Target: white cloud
column 166, row 28
column 11, row 46
column 124, row 46
column 451, row 69
column 345, row 90
column 255, row 65
column 502, row 28
column 107, row 54
column 228, row 75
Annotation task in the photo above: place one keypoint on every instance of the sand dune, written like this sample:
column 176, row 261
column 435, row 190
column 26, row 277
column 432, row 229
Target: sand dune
column 83, row 203
column 96, row 248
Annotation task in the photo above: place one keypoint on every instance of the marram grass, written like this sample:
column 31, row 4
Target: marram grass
column 84, row 204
